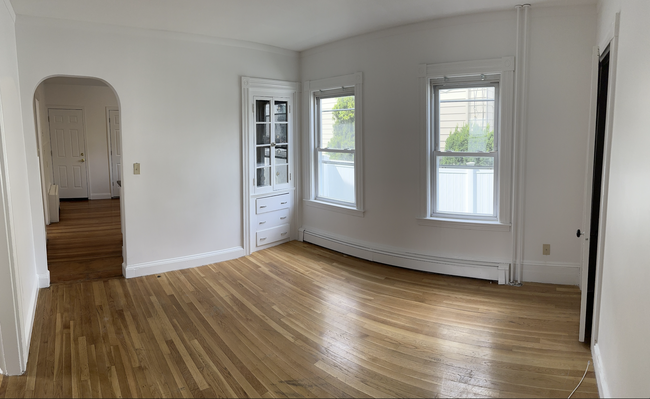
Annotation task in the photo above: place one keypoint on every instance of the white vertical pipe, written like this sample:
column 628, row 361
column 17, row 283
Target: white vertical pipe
column 519, row 143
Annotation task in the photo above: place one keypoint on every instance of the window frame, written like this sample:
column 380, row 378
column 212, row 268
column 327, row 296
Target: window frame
column 316, row 90
column 467, row 74
column 467, row 82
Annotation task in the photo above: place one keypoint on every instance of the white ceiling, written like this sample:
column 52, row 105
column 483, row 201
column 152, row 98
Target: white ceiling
column 291, row 24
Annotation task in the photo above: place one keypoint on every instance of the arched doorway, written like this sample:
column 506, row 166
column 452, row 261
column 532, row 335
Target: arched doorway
column 78, row 130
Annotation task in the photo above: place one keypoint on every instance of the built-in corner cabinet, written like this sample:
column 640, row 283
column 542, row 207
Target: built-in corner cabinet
column 269, row 121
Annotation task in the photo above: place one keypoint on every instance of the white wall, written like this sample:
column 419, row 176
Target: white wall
column 18, row 280
column 624, row 320
column 180, row 102
column 560, row 53
column 94, row 100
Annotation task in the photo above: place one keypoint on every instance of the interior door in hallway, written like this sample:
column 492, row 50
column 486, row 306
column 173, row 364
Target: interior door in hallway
column 115, row 133
column 69, row 152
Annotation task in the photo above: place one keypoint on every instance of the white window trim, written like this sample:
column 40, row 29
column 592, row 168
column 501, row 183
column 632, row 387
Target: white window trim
column 428, row 72
column 310, row 88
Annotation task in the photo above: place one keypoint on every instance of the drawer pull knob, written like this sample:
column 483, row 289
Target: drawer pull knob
column 262, row 206
column 284, row 234
column 283, row 217
column 282, row 203
column 263, row 238
column 263, row 222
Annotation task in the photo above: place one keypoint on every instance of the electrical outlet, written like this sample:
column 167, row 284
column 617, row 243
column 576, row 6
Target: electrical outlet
column 136, row 168
column 546, row 249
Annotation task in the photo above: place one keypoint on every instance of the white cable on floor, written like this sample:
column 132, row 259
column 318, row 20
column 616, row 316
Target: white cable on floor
column 583, row 378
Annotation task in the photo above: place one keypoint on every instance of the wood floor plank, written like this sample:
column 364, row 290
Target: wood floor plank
column 86, row 243
column 298, row 320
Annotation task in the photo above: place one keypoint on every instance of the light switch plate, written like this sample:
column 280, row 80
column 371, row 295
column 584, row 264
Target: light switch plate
column 136, row 168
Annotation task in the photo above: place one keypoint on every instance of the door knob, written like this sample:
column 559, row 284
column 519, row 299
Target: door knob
column 272, row 144
column 82, row 160
column 579, row 233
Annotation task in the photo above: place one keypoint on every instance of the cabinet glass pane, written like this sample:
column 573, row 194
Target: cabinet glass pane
column 263, row 177
column 263, row 135
column 263, row 156
column 280, row 111
column 282, row 174
column 281, row 132
column 262, row 111
column 281, row 154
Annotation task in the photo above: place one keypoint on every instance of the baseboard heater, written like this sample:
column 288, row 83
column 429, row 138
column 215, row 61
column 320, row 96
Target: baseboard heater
column 54, row 203
column 456, row 267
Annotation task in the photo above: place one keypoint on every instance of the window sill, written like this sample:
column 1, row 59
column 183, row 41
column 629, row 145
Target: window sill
column 464, row 224
column 333, row 207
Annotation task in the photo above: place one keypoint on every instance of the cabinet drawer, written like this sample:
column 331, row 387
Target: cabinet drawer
column 272, row 235
column 270, row 204
column 272, row 219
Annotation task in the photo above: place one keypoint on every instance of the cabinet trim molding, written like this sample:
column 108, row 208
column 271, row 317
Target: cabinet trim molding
column 252, row 87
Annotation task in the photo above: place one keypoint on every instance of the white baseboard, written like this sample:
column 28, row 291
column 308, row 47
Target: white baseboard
column 44, row 279
column 28, row 336
column 552, row 273
column 603, row 387
column 100, row 196
column 398, row 257
column 301, row 234
column 183, row 262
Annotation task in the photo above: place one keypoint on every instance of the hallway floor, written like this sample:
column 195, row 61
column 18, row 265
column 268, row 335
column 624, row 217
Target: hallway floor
column 87, row 242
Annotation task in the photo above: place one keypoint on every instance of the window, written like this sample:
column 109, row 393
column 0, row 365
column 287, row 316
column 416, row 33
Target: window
column 335, row 120
column 465, row 154
column 468, row 143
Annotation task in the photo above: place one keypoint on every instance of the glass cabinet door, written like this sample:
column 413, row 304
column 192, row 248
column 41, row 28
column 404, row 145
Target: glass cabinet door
column 272, row 144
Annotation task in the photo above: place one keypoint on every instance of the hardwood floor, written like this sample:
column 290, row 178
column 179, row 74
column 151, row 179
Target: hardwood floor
column 87, row 242
column 301, row 321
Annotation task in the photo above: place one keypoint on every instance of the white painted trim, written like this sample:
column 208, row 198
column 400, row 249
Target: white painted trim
column 252, row 87
column 552, row 272
column 11, row 10
column 100, row 196
column 335, row 208
column 182, row 262
column 151, row 33
column 39, row 143
column 468, row 68
column 44, row 279
column 464, row 224
column 601, row 380
column 503, row 173
column 607, row 152
column 310, row 87
column 399, row 257
column 110, row 147
column 586, row 196
column 30, row 326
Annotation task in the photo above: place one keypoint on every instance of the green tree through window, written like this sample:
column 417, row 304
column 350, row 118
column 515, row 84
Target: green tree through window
column 343, row 129
column 459, row 141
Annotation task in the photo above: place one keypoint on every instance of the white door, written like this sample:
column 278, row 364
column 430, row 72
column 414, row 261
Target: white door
column 115, row 131
column 68, row 152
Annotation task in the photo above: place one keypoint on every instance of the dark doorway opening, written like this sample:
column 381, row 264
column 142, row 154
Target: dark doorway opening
column 599, row 145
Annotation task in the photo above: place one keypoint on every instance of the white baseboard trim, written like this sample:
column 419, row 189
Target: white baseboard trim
column 301, row 234
column 603, row 387
column 100, row 196
column 183, row 262
column 28, row 336
column 398, row 257
column 44, row 279
column 552, row 273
